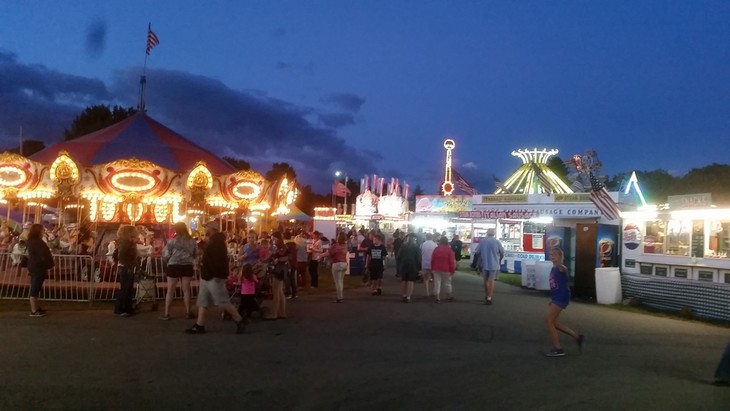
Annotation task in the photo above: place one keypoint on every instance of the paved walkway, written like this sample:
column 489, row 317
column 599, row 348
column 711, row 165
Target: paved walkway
column 369, row 353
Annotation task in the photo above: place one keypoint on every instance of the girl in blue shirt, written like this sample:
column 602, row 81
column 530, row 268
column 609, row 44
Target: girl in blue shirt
column 559, row 300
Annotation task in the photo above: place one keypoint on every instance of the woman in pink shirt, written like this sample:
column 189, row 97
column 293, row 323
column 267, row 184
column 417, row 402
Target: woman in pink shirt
column 443, row 265
column 338, row 256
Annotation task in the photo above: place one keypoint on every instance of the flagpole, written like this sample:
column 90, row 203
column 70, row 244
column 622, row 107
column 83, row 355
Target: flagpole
column 143, row 79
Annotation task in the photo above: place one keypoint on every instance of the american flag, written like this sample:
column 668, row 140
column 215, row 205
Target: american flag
column 461, row 184
column 340, row 190
column 152, row 39
column 603, row 200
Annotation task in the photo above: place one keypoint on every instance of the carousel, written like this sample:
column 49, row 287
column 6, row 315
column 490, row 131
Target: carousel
column 135, row 172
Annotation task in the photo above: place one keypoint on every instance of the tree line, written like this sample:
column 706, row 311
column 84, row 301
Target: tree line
column 656, row 185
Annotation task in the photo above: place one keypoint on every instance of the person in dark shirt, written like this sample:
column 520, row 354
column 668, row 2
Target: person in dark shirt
column 456, row 247
column 409, row 264
column 126, row 263
column 40, row 261
column 375, row 256
column 213, row 275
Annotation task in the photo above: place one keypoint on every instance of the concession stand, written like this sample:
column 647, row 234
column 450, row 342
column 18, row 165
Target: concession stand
column 675, row 256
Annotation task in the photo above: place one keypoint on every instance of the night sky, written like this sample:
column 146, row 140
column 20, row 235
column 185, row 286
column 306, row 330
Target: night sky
column 376, row 86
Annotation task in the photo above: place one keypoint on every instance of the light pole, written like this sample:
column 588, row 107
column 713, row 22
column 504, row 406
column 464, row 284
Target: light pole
column 338, row 174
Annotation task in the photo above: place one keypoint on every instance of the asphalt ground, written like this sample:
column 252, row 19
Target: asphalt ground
column 368, row 353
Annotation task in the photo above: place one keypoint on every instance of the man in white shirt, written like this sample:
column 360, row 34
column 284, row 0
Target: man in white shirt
column 426, row 253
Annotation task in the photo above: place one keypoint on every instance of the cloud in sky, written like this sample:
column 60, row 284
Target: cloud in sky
column 346, row 101
column 244, row 124
column 42, row 101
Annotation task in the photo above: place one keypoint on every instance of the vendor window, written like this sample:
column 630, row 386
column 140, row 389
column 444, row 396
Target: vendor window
column 677, row 237
column 655, row 236
column 719, row 244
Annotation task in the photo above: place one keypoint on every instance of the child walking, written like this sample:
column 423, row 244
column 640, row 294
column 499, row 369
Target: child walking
column 375, row 255
column 249, row 280
column 559, row 300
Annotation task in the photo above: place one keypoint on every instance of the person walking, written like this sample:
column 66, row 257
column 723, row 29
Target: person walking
column 280, row 259
column 491, row 254
column 40, row 261
column 375, row 256
column 213, row 274
column 338, row 256
column 409, row 263
column 126, row 264
column 427, row 248
column 457, row 247
column 315, row 250
column 291, row 276
column 179, row 254
column 559, row 300
column 722, row 372
column 301, row 241
column 443, row 265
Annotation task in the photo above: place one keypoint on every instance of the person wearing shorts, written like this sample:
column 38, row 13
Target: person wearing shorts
column 408, row 261
column 375, row 255
column 179, row 254
column 492, row 253
column 213, row 275
column 559, row 300
column 40, row 261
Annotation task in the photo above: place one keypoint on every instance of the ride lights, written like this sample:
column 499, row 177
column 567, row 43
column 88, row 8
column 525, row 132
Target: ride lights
column 12, row 176
column 133, row 181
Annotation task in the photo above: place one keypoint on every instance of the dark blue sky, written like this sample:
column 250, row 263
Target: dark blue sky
column 376, row 86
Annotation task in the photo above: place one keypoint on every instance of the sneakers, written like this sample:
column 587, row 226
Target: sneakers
column 488, row 302
column 38, row 313
column 437, row 301
column 407, row 300
column 555, row 352
column 195, row 329
column 125, row 315
column 374, row 293
column 339, row 300
column 165, row 317
column 241, row 326
column 581, row 338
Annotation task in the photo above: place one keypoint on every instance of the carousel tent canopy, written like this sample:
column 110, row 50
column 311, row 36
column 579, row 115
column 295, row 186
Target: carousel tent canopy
column 294, row 214
column 140, row 137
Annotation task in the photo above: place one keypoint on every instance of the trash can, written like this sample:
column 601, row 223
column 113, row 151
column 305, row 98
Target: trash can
column 528, row 273
column 542, row 275
column 608, row 285
column 357, row 263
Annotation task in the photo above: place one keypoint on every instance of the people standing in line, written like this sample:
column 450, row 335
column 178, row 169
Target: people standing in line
column 491, row 254
column 443, row 265
column 722, row 372
column 409, row 263
column 427, row 248
column 291, row 276
column 179, row 254
column 315, row 249
column 40, row 261
column 375, row 257
column 302, row 262
column 456, row 246
column 249, row 251
column 126, row 264
column 280, row 260
column 213, row 275
column 338, row 255
column 559, row 300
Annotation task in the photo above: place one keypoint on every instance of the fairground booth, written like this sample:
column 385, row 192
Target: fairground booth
column 532, row 211
column 135, row 172
column 675, row 256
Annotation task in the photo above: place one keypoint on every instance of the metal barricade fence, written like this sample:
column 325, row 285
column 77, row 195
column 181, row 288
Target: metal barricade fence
column 70, row 279
column 85, row 278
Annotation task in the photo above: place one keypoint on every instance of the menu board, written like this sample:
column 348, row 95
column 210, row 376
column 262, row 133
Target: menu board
column 645, row 269
column 698, row 240
column 660, row 271
column 680, row 272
